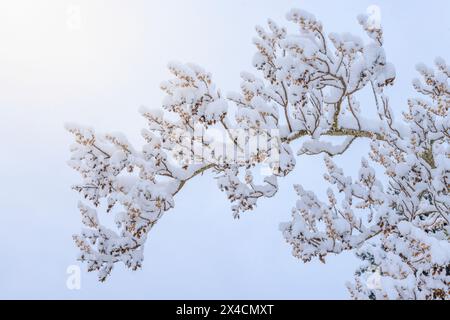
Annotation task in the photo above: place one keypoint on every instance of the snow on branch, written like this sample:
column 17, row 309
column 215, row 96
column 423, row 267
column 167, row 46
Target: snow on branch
column 307, row 86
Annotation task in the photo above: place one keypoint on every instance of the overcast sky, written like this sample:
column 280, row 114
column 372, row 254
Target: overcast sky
column 97, row 69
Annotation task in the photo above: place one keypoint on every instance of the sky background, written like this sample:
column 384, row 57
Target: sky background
column 97, row 71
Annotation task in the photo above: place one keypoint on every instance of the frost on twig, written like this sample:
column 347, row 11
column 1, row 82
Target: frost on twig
column 308, row 88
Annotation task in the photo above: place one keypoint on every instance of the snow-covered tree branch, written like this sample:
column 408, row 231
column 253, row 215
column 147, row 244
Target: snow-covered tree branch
column 307, row 88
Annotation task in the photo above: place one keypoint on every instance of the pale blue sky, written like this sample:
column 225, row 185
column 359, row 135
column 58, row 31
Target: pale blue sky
column 99, row 74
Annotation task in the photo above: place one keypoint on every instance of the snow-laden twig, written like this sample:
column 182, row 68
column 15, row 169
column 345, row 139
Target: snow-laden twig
column 307, row 88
